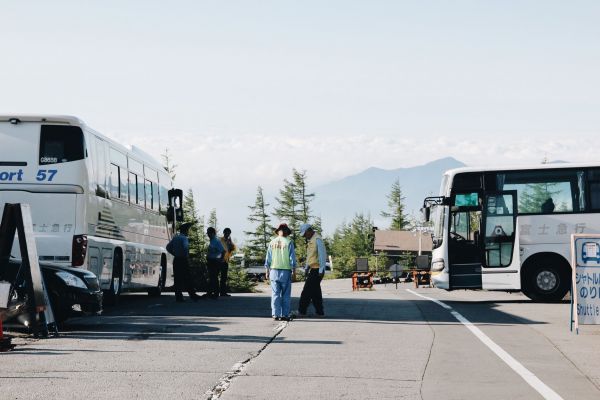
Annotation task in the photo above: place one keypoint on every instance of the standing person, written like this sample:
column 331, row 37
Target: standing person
column 214, row 260
column 229, row 247
column 179, row 247
column 281, row 268
column 316, row 258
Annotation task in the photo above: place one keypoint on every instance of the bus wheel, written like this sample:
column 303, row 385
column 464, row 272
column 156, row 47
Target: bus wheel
column 111, row 296
column 547, row 280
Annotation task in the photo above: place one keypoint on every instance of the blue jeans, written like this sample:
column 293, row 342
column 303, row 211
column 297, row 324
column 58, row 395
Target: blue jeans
column 281, row 296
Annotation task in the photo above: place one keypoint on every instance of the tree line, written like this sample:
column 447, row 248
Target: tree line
column 293, row 205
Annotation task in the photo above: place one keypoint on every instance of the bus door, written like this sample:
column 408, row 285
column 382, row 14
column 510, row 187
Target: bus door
column 464, row 247
column 499, row 226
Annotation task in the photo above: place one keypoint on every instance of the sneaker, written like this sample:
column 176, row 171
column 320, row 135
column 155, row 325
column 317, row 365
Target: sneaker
column 298, row 314
column 225, row 295
column 285, row 318
column 276, row 318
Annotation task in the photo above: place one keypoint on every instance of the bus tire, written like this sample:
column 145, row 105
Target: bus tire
column 162, row 277
column 546, row 278
column 111, row 296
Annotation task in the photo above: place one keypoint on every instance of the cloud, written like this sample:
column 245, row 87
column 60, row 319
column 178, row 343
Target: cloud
column 228, row 162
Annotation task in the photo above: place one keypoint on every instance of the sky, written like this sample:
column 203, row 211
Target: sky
column 241, row 92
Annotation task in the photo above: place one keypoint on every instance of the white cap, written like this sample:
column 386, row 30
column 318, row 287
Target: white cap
column 304, row 228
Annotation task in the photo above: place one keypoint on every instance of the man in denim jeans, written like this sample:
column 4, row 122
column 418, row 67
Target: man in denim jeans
column 281, row 266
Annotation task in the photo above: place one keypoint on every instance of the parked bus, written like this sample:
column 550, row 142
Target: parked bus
column 509, row 229
column 95, row 203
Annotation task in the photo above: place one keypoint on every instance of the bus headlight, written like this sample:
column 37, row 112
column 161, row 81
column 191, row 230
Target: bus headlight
column 437, row 264
column 71, row 280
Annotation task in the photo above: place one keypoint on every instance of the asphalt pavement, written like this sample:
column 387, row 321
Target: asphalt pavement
column 385, row 343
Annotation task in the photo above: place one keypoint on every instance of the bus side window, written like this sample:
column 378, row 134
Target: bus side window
column 114, row 181
column 594, row 196
column 148, row 190
column 154, row 196
column 100, row 167
column 124, row 185
column 133, row 193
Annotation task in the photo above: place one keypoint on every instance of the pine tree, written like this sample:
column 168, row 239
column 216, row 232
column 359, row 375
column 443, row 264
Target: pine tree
column 317, row 224
column 396, row 208
column 196, row 237
column 301, row 195
column 256, row 246
column 287, row 209
column 350, row 241
column 168, row 165
column 212, row 220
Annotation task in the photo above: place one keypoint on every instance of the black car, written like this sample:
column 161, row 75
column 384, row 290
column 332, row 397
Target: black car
column 70, row 289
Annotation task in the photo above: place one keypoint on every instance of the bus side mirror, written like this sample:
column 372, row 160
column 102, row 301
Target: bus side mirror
column 175, row 210
column 174, row 213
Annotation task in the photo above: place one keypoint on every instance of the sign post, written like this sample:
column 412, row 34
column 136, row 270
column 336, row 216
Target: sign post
column 585, row 291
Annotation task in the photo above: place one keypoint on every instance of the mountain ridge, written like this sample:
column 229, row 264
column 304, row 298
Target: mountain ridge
column 366, row 191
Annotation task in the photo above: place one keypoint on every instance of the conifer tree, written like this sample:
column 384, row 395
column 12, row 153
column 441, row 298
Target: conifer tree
column 294, row 208
column 302, row 197
column 168, row 165
column 396, row 208
column 212, row 220
column 256, row 246
column 197, row 239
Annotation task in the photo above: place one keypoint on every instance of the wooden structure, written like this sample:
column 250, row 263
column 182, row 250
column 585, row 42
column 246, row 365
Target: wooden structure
column 16, row 218
column 421, row 273
column 362, row 278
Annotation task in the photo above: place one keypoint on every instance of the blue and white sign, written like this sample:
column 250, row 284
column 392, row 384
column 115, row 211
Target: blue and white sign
column 586, row 279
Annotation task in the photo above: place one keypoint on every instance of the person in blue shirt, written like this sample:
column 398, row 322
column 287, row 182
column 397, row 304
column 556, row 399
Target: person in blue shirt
column 214, row 261
column 281, row 266
column 179, row 247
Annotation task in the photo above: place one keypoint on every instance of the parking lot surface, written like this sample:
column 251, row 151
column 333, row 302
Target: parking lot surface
column 382, row 343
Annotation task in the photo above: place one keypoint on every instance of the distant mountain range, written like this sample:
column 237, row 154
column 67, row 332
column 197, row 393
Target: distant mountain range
column 366, row 192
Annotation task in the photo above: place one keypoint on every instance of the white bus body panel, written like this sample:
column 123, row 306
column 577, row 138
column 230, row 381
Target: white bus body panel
column 68, row 205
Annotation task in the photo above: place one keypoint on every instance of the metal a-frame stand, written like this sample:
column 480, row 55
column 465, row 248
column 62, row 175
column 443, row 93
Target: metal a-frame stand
column 17, row 219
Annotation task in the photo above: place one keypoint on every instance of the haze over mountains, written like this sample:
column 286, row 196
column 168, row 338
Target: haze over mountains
column 367, row 192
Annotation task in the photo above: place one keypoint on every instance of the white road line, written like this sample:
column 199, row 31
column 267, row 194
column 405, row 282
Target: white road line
column 527, row 375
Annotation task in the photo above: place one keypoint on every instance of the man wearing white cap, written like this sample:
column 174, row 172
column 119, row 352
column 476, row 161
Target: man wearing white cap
column 316, row 258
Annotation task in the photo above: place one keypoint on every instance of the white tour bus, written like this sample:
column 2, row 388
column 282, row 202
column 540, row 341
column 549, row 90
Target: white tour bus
column 509, row 229
column 95, row 204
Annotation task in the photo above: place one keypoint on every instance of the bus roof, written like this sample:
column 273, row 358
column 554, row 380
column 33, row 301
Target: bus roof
column 74, row 121
column 560, row 165
column 57, row 119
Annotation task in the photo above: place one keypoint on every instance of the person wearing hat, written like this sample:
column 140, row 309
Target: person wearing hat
column 281, row 266
column 179, row 247
column 214, row 261
column 316, row 258
column 229, row 247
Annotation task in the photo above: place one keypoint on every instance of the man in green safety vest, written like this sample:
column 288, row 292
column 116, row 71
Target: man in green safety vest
column 281, row 268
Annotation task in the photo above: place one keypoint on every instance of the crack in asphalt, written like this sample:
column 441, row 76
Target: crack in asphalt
column 430, row 347
column 223, row 384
